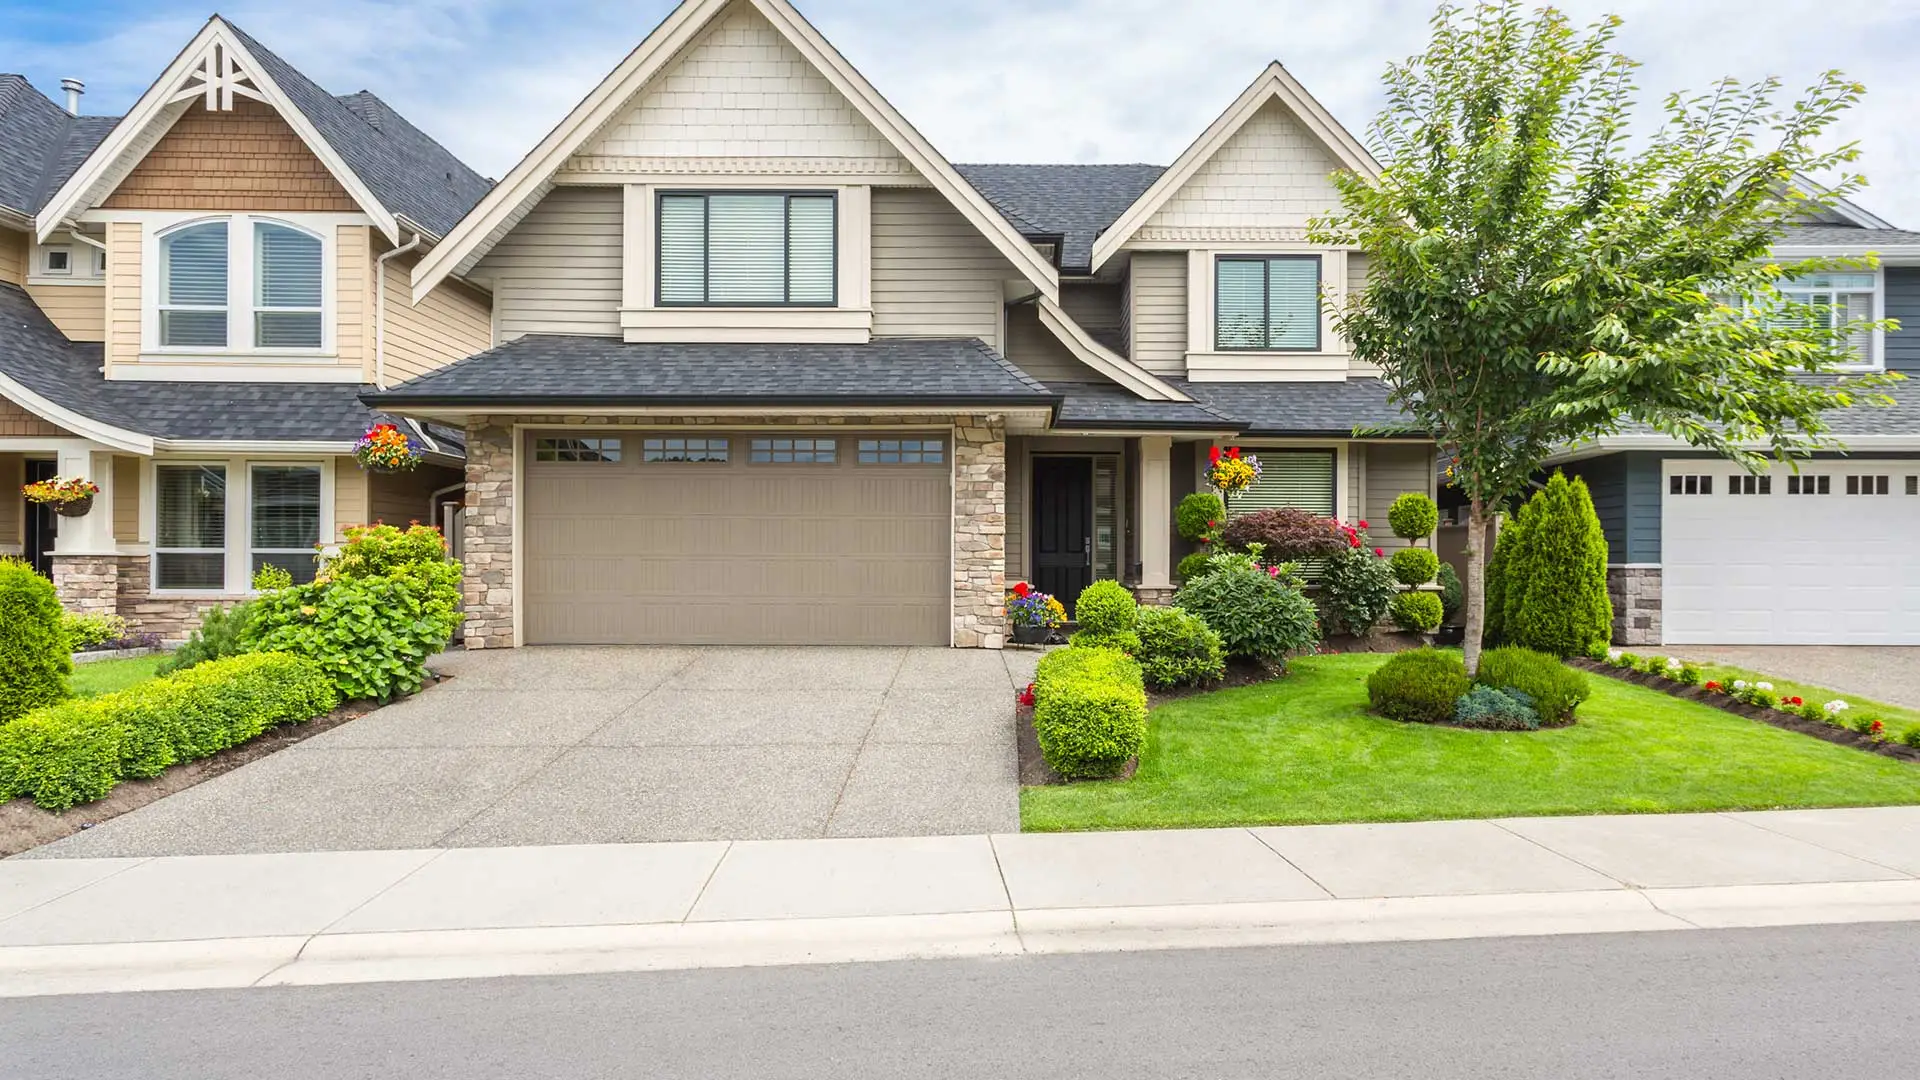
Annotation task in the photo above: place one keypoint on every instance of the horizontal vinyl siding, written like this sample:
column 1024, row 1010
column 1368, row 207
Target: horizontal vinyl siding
column 349, row 496
column 1035, row 350
column 934, row 274
column 13, row 257
column 1903, row 303
column 353, row 297
column 401, row 498
column 1393, row 470
column 126, row 499
column 123, row 292
column 452, row 323
column 1626, row 497
column 80, row 311
column 1158, row 310
column 1095, row 307
column 1606, row 479
column 558, row 270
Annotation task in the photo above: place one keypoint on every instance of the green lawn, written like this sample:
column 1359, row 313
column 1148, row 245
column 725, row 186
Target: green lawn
column 1899, row 720
column 106, row 676
column 1303, row 749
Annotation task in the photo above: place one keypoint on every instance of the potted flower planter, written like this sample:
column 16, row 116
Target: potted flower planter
column 1031, row 635
column 74, row 507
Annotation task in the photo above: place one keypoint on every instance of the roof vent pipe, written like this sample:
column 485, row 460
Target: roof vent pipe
column 74, row 88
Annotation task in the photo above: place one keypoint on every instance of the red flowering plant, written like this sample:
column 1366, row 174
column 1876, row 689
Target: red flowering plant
column 1028, row 606
column 385, row 448
column 1025, row 697
column 1713, row 686
column 1231, row 472
column 60, row 490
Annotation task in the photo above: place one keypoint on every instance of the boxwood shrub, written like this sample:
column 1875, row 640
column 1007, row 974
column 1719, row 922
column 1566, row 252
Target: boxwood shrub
column 1420, row 686
column 34, row 658
column 1089, row 711
column 1105, row 607
column 76, row 751
column 1176, row 648
column 1415, row 565
column 1554, row 688
column 1417, row 611
column 1199, row 514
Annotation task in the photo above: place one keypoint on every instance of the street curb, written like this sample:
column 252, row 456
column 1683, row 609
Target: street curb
column 33, row 970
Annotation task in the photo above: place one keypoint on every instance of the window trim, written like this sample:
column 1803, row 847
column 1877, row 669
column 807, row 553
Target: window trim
column 1876, row 339
column 726, row 448
column 241, row 287
column 832, row 447
column 320, row 498
column 660, row 197
column 238, row 565
column 1266, row 290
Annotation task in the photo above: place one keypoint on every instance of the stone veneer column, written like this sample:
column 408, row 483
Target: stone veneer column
column 87, row 584
column 979, row 532
column 487, row 536
column 1635, row 592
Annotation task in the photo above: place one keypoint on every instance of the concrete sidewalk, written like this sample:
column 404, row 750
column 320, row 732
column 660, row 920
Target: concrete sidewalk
column 83, row 925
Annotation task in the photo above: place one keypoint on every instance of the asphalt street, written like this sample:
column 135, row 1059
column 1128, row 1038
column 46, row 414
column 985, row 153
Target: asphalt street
column 1837, row 1002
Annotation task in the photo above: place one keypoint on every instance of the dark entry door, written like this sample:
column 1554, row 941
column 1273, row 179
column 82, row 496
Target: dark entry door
column 40, row 522
column 1063, row 526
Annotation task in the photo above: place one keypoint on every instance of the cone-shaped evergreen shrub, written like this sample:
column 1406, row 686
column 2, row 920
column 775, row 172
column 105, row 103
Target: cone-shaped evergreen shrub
column 1500, row 569
column 34, row 661
column 1556, row 602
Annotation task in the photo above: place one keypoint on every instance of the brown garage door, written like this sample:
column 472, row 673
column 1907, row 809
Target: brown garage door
column 662, row 537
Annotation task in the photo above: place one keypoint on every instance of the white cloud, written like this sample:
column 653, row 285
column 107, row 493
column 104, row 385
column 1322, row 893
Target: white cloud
column 1041, row 80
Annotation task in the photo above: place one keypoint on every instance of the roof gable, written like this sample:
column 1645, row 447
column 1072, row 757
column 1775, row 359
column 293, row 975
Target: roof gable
column 611, row 100
column 1302, row 114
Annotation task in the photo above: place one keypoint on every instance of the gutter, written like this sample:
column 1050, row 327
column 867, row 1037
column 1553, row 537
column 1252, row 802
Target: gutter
column 380, row 310
column 591, row 401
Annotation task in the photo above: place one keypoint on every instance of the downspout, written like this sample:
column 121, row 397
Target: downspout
column 380, row 311
column 73, row 227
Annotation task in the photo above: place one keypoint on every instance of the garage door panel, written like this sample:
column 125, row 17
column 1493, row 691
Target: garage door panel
column 737, row 552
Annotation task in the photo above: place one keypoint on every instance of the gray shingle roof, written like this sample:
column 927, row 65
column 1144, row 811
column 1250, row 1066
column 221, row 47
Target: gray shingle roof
column 1328, row 409
column 1075, row 201
column 1866, row 239
column 542, row 369
column 1900, row 418
column 1108, row 407
column 37, row 356
column 40, row 144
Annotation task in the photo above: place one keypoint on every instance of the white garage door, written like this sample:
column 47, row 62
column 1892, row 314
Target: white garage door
column 1830, row 556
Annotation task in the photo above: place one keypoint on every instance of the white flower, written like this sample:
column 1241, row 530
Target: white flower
column 1739, row 684
column 1836, row 707
column 1614, row 654
column 1674, row 665
column 1763, row 686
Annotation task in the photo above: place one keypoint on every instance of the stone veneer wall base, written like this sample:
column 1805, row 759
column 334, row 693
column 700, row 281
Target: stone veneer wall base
column 1635, row 592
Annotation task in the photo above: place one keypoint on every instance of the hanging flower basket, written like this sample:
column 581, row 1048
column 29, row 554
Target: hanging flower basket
column 70, row 496
column 1231, row 473
column 385, row 449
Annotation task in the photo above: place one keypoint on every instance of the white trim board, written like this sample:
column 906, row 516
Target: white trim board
column 1102, row 359
column 510, row 199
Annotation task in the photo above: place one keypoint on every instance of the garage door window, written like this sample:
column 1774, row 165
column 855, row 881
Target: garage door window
column 1690, row 485
column 1809, row 485
column 1748, row 484
column 1867, row 485
column 902, row 451
column 577, row 450
column 697, row 450
column 792, row 452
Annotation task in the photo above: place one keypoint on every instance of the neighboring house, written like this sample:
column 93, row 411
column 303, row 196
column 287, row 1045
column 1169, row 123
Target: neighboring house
column 192, row 298
column 1821, row 553
column 771, row 369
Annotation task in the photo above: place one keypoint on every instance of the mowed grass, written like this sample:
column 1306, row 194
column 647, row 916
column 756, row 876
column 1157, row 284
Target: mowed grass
column 107, row 676
column 1898, row 720
column 1303, row 749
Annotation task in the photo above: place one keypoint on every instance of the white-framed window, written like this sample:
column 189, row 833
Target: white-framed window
column 1266, row 303
column 194, row 265
column 1841, row 298
column 746, row 249
column 190, row 528
column 284, row 518
column 56, row 260
column 287, row 294
column 241, row 284
column 216, row 522
column 64, row 260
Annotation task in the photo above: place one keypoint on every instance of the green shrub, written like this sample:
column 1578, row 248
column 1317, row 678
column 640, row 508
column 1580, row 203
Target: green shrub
column 1192, row 566
column 1125, row 641
column 1414, row 565
column 271, row 578
column 1413, row 516
column 1912, row 738
column 1496, row 710
column 76, row 751
column 1177, row 648
column 34, row 658
column 1419, row 686
column 1256, row 616
column 1502, row 567
column 1199, row 514
column 86, row 630
column 1355, row 590
column 1089, row 711
column 1555, row 689
column 1416, row 611
column 1453, row 595
column 223, row 632
column 1558, row 602
column 1105, row 607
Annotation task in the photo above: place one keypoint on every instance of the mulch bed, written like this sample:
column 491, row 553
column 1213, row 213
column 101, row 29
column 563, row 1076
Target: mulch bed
column 24, row 825
column 1779, row 719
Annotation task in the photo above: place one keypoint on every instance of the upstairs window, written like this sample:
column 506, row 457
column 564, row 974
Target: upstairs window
column 746, row 249
column 193, row 287
column 1267, row 303
column 1839, row 299
column 286, row 287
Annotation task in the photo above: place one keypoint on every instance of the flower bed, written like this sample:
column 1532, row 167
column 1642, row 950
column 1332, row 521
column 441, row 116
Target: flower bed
column 1747, row 700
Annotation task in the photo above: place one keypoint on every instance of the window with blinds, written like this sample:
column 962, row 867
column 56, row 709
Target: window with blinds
column 193, row 287
column 1267, row 303
column 286, row 518
column 286, row 285
column 190, row 527
column 1301, row 479
column 747, row 249
column 1839, row 299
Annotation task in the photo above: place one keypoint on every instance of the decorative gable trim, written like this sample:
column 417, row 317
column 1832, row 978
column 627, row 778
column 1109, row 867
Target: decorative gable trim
column 1846, row 210
column 514, row 196
column 1102, row 359
column 1275, row 83
column 214, row 69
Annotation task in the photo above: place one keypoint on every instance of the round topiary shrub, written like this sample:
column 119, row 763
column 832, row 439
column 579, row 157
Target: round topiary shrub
column 1089, row 711
column 1198, row 514
column 34, row 660
column 1419, row 686
column 1255, row 615
column 1555, row 689
column 1496, row 710
column 1192, row 566
column 1105, row 607
column 1414, row 565
column 1413, row 516
column 1177, row 648
column 1416, row 611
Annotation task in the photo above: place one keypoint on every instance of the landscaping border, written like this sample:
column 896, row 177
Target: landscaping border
column 94, row 655
column 1778, row 718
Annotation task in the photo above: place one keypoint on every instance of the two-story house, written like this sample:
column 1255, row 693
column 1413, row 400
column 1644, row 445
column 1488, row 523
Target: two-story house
column 192, row 298
column 771, row 369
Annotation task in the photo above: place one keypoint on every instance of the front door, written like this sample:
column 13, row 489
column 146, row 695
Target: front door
column 40, row 522
column 1063, row 526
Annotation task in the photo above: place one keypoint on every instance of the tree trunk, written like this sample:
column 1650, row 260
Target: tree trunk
column 1476, row 583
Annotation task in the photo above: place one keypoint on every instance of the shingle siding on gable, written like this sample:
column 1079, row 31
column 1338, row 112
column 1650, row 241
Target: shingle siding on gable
column 247, row 160
column 1271, row 171
column 934, row 274
column 1903, row 303
column 558, row 271
column 1157, row 310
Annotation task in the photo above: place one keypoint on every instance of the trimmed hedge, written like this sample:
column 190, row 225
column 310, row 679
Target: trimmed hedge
column 75, row 752
column 34, row 658
column 1177, row 649
column 1413, row 516
column 1555, row 689
column 1419, row 686
column 1089, row 711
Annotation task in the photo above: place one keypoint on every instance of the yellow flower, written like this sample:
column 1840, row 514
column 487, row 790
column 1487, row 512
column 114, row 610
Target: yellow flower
column 309, row 610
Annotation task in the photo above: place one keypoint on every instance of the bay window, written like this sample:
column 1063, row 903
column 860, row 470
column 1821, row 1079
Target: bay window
column 1267, row 303
column 746, row 249
column 285, row 515
column 190, row 533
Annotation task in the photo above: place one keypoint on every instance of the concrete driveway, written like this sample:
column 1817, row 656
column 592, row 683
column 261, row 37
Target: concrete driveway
column 1887, row 673
column 583, row 745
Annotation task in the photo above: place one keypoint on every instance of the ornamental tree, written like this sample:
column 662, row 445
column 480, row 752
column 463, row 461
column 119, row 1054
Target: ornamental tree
column 1539, row 278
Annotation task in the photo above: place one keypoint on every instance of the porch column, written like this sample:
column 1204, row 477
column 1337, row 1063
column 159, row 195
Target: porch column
column 1156, row 512
column 86, row 566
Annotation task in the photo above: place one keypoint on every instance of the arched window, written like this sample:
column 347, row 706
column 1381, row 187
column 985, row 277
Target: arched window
column 286, row 287
column 193, row 286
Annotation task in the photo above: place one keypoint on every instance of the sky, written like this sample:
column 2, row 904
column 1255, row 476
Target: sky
column 985, row 80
